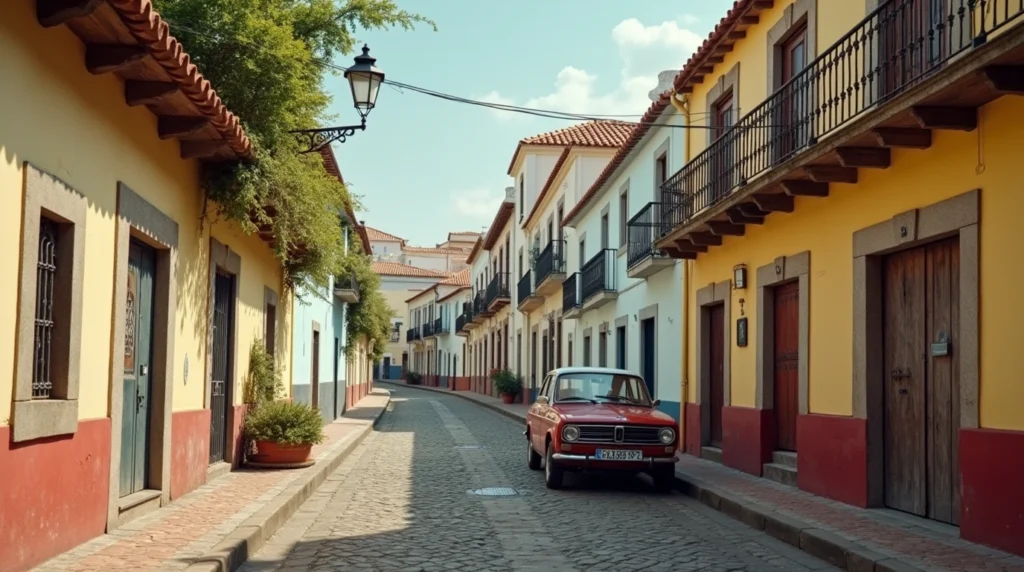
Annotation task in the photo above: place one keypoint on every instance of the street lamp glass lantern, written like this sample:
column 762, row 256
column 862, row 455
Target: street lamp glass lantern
column 365, row 79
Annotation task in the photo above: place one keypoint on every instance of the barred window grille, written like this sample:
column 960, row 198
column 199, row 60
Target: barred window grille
column 46, row 275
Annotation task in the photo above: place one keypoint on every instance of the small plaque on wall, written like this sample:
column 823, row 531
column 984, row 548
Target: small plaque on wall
column 741, row 332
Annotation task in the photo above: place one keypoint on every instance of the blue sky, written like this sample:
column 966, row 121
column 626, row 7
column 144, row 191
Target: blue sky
column 426, row 166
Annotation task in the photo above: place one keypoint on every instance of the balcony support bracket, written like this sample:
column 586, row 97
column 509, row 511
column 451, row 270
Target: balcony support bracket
column 775, row 203
column 705, row 239
column 903, row 137
column 831, row 174
column 865, row 157
column 1005, row 79
column 804, row 188
column 948, row 118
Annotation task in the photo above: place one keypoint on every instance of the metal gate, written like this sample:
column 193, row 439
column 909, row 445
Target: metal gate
column 223, row 293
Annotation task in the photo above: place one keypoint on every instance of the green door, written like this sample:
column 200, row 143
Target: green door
column 138, row 350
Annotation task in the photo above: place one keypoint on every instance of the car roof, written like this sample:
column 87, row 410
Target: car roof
column 611, row 370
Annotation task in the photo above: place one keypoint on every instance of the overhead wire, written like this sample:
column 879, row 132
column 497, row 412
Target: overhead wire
column 546, row 113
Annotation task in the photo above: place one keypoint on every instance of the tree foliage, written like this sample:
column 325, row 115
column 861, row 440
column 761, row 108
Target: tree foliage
column 267, row 60
column 371, row 316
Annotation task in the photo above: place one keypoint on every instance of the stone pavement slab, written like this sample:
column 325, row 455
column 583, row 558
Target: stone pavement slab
column 215, row 526
column 845, row 536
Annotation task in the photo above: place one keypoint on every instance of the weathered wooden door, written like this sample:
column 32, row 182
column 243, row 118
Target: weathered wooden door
column 220, row 379
column 138, row 351
column 787, row 360
column 716, row 363
column 922, row 403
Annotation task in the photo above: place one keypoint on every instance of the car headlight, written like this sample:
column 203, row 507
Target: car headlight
column 570, row 433
column 667, row 435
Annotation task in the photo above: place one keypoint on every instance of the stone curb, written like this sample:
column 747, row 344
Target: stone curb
column 822, row 544
column 461, row 395
column 230, row 553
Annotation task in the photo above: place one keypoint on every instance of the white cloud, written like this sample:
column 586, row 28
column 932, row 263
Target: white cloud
column 477, row 205
column 644, row 50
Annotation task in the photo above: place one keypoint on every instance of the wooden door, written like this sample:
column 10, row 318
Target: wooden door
column 921, row 413
column 795, row 97
column 138, row 352
column 787, row 361
column 220, row 386
column 722, row 172
column 716, row 364
column 648, row 364
column 315, row 371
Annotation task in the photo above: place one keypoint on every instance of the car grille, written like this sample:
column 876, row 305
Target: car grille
column 631, row 435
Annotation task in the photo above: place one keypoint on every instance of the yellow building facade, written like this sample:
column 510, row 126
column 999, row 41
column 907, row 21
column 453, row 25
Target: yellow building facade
column 846, row 207
column 118, row 395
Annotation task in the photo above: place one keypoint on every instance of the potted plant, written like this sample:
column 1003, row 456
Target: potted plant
column 413, row 378
column 284, row 433
column 508, row 384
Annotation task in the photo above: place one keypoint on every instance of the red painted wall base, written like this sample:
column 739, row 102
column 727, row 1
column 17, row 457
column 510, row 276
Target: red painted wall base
column 462, row 384
column 748, row 437
column 992, row 499
column 190, row 450
column 53, row 493
column 833, row 457
column 692, row 433
column 236, row 440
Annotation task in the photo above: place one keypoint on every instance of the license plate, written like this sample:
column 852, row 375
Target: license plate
column 618, row 455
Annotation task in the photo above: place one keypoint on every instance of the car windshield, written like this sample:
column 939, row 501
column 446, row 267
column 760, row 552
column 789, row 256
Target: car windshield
column 601, row 387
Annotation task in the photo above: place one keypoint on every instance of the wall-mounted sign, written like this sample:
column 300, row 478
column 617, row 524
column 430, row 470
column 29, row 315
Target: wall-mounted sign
column 741, row 332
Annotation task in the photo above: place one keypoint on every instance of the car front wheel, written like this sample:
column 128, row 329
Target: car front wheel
column 664, row 478
column 552, row 471
column 532, row 457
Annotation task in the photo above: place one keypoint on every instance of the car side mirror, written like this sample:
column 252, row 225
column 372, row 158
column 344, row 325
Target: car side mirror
column 541, row 399
column 656, row 402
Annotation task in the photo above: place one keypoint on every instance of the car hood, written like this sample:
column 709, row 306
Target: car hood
column 612, row 413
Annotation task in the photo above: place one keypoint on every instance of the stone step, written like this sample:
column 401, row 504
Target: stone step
column 711, row 454
column 787, row 458
column 780, row 474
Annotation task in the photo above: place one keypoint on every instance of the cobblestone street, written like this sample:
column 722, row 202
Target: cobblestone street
column 402, row 502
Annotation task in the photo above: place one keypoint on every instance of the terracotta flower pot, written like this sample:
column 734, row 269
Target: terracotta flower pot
column 508, row 397
column 270, row 452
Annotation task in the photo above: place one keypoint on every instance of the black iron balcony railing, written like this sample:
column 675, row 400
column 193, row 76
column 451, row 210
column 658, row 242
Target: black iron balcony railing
column 551, row 260
column 525, row 287
column 412, row 334
column 895, row 47
column 571, row 292
column 440, row 327
column 641, row 232
column 461, row 321
column 498, row 288
column 479, row 305
column 468, row 310
column 598, row 274
column 428, row 329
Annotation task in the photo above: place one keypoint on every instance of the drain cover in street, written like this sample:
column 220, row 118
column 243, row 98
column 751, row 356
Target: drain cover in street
column 469, row 447
column 495, row 492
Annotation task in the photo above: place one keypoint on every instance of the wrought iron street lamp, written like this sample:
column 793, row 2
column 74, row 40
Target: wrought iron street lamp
column 364, row 79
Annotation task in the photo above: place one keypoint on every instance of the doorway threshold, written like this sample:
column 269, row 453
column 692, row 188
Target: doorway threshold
column 136, row 505
column 217, row 470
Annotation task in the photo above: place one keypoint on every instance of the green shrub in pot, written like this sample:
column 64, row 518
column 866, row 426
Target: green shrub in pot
column 506, row 382
column 285, row 423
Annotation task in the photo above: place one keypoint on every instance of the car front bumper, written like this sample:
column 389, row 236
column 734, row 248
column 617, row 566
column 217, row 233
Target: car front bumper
column 589, row 461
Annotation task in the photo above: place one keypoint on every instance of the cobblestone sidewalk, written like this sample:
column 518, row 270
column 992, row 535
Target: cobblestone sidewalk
column 907, row 542
column 173, row 537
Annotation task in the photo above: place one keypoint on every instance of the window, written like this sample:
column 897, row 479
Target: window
column 519, row 353
column 569, row 353
column 46, row 277
column 586, row 351
column 544, row 351
column 270, row 328
column 545, row 388
column 623, row 217
column 620, row 344
column 583, row 253
column 522, row 199
column 603, row 387
column 558, row 348
column 602, row 349
column 604, row 231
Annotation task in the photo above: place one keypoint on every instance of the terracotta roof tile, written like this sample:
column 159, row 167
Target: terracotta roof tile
column 381, row 236
column 547, row 185
column 500, row 220
column 153, row 34
column 460, row 278
column 688, row 75
column 589, row 134
column 465, row 233
column 645, row 124
column 399, row 269
column 434, row 250
column 475, row 250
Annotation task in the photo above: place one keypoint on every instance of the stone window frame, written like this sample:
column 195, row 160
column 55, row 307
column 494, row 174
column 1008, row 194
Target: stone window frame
column 708, row 297
column 958, row 216
column 784, row 270
column 727, row 84
column 139, row 219
column 223, row 258
column 606, row 215
column 797, row 15
column 46, row 195
column 650, row 313
column 664, row 150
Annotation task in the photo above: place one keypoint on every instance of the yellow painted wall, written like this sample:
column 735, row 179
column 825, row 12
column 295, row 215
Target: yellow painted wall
column 825, row 227
column 66, row 121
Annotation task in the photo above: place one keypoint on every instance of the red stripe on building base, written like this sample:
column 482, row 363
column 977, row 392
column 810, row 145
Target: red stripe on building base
column 190, row 450
column 833, row 457
column 692, row 430
column 992, row 499
column 748, row 437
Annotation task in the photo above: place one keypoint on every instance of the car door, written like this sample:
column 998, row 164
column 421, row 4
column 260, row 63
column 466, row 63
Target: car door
column 539, row 413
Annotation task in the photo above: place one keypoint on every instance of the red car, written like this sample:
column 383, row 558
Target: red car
column 596, row 418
